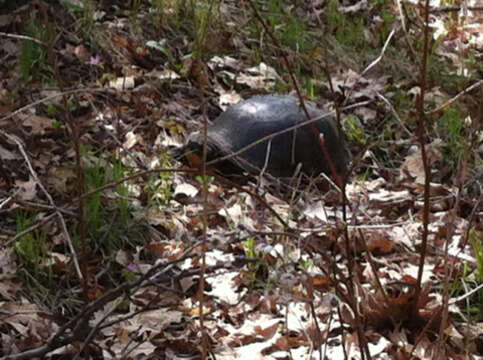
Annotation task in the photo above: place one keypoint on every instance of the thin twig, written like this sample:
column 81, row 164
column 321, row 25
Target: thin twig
column 49, row 198
column 48, row 98
column 134, row 176
column 396, row 115
column 75, row 329
column 427, row 172
column 23, row 37
column 371, row 65
column 405, row 30
column 30, row 229
column 466, row 295
column 453, row 99
column 383, row 50
column 455, row 8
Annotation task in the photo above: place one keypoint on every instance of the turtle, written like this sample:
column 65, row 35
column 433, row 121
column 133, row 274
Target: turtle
column 256, row 136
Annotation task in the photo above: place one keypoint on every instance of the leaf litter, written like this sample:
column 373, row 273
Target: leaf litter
column 275, row 300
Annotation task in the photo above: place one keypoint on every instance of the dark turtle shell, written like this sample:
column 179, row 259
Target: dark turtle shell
column 251, row 120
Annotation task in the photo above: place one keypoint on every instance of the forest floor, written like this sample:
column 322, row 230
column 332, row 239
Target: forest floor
column 112, row 249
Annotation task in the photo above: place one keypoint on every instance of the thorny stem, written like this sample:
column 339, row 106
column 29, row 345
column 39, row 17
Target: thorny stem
column 427, row 174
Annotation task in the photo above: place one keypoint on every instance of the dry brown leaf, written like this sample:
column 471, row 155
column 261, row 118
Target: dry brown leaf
column 413, row 164
column 268, row 332
column 39, row 125
column 379, row 243
column 61, row 178
column 27, row 189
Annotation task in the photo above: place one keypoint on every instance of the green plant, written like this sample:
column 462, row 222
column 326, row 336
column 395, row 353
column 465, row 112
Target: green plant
column 167, row 12
column 295, row 35
column 363, row 176
column 476, row 240
column 87, row 17
column 51, row 110
column 446, row 75
column 286, row 26
column 136, row 5
column 108, row 216
column 207, row 179
column 403, row 103
column 388, row 19
column 30, row 58
column 33, row 57
column 129, row 275
column 383, row 8
column 257, row 266
column 202, row 18
column 349, row 32
column 206, row 23
column 452, row 130
column 159, row 185
column 198, row 19
column 249, row 247
column 29, row 247
column 72, row 7
column 32, row 249
column 471, row 277
column 94, row 178
column 160, row 47
column 472, row 64
column 119, row 172
column 310, row 89
column 86, row 14
column 353, row 131
column 57, row 124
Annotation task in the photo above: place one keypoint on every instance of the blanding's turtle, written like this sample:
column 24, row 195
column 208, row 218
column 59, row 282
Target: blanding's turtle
column 259, row 117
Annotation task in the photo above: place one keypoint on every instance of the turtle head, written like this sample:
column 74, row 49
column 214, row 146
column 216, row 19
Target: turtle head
column 192, row 153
